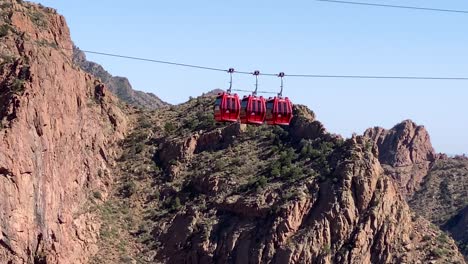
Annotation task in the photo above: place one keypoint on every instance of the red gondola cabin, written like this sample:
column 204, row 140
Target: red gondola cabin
column 279, row 111
column 253, row 110
column 227, row 107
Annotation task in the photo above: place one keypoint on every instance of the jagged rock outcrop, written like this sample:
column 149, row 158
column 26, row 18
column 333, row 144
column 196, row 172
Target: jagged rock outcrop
column 213, row 93
column 55, row 138
column 304, row 125
column 407, row 152
column 267, row 195
column 174, row 152
column 357, row 218
column 120, row 86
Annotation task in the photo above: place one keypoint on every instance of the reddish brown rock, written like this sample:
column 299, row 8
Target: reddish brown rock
column 359, row 218
column 55, row 138
column 304, row 125
column 172, row 151
column 407, row 151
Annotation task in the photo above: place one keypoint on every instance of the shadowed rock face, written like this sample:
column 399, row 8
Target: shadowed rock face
column 457, row 226
column 443, row 198
column 120, row 86
column 407, row 152
column 54, row 138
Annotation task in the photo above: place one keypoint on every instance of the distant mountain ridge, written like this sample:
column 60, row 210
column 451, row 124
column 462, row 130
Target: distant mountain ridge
column 120, row 86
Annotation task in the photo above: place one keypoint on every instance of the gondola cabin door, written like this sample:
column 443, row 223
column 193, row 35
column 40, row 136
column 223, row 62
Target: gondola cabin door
column 279, row 111
column 227, row 108
column 253, row 110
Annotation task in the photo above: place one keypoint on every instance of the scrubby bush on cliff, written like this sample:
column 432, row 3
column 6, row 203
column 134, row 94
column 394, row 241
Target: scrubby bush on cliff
column 169, row 127
column 172, row 204
column 128, row 189
column 4, row 30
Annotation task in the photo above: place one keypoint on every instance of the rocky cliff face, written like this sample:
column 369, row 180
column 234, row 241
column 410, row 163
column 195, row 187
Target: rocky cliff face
column 120, row 86
column 435, row 185
column 443, row 198
column 56, row 140
column 406, row 153
column 233, row 194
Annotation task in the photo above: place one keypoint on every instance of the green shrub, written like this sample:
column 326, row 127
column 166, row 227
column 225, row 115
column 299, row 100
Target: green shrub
column 236, row 162
column 18, row 86
column 220, row 165
column 306, row 150
column 139, row 148
column 169, row 127
column 191, row 124
column 205, row 121
column 443, row 238
column 5, row 6
column 282, row 135
column 251, row 131
column 176, row 204
column 275, row 171
column 326, row 249
column 4, row 30
column 287, row 156
column 172, row 204
column 257, row 183
column 126, row 259
column 97, row 195
column 261, row 182
column 128, row 189
column 439, row 252
column 292, row 173
column 38, row 18
column 145, row 122
column 290, row 195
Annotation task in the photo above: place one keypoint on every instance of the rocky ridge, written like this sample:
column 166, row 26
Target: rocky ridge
column 406, row 153
column 120, row 86
column 240, row 194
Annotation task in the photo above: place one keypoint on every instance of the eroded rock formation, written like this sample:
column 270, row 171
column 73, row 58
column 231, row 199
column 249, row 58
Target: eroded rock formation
column 54, row 139
column 407, row 152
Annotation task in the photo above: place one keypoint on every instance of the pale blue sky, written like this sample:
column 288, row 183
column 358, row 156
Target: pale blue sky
column 295, row 37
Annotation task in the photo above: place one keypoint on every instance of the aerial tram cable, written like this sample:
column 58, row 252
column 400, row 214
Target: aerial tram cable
column 396, row 6
column 281, row 75
column 256, row 74
column 329, row 76
column 231, row 71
